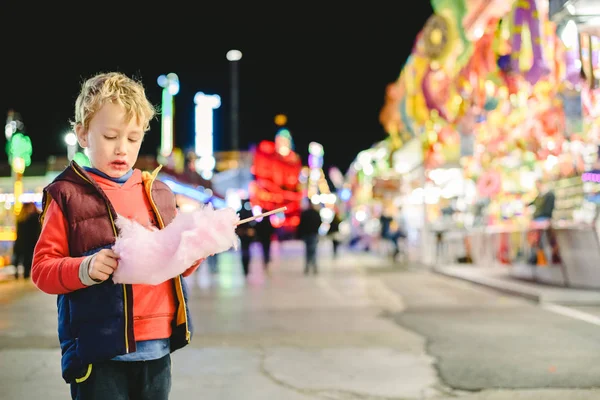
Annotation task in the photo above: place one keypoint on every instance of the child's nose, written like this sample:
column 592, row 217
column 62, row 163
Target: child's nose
column 121, row 147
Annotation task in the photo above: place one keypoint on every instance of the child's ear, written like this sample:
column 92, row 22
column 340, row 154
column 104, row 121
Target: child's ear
column 82, row 136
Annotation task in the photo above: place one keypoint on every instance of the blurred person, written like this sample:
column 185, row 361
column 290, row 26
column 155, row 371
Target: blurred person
column 544, row 208
column 308, row 231
column 334, row 232
column 543, row 203
column 213, row 263
column 213, row 260
column 264, row 235
column 28, row 232
column 440, row 227
column 247, row 234
column 116, row 340
column 391, row 230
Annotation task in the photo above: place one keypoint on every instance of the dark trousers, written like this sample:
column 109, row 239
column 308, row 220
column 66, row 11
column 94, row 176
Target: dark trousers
column 440, row 247
column 335, row 244
column 27, row 260
column 266, row 248
column 311, row 242
column 126, row 380
column 246, row 256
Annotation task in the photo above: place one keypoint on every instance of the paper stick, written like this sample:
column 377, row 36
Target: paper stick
column 261, row 215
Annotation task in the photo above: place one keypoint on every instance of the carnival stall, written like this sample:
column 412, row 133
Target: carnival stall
column 492, row 91
column 441, row 95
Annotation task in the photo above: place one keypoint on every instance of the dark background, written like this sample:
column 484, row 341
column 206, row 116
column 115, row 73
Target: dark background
column 325, row 67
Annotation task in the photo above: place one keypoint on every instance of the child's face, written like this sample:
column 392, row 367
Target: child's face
column 113, row 141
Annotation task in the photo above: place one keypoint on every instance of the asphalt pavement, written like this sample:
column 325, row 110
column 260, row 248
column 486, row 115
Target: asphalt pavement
column 363, row 328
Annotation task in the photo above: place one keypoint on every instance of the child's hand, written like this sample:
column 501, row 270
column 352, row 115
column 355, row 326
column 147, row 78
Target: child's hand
column 194, row 267
column 103, row 265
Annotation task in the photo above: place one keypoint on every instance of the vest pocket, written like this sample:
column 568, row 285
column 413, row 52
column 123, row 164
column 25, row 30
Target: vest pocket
column 87, row 375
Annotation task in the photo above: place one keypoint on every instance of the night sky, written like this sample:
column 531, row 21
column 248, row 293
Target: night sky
column 325, row 67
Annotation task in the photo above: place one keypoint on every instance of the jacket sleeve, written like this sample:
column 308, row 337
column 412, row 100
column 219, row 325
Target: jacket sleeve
column 53, row 271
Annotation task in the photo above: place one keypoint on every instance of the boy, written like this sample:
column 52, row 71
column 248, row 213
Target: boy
column 116, row 340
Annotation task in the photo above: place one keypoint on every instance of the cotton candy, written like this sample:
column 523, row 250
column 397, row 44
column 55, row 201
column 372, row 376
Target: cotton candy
column 154, row 256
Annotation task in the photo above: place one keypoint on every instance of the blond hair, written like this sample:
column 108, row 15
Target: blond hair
column 116, row 88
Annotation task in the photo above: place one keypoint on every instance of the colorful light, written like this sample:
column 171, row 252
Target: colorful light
column 315, row 157
column 276, row 183
column 283, row 142
column 591, row 177
column 81, row 159
column 280, row 119
column 170, row 85
column 19, row 147
column 204, row 146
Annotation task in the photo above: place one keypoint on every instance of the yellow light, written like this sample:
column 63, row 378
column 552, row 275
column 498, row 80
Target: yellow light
column 436, row 36
column 280, row 119
column 18, row 189
column 18, row 165
column 8, row 236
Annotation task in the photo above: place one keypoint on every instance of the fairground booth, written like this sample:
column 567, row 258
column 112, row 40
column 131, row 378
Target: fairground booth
column 502, row 98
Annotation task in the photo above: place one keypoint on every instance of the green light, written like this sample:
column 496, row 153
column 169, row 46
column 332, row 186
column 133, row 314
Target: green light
column 285, row 133
column 19, row 146
column 81, row 159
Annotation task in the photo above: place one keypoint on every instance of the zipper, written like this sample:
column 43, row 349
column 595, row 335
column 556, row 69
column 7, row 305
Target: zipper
column 114, row 227
column 161, row 224
column 161, row 315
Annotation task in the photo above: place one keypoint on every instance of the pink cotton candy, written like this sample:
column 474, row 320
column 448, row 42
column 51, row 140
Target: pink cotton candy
column 154, row 256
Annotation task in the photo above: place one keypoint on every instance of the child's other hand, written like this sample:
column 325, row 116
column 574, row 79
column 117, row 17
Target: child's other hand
column 194, row 267
column 103, row 265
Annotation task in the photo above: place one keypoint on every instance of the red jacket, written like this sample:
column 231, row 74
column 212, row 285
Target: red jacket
column 54, row 271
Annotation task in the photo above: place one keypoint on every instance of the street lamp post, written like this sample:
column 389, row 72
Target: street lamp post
column 234, row 56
